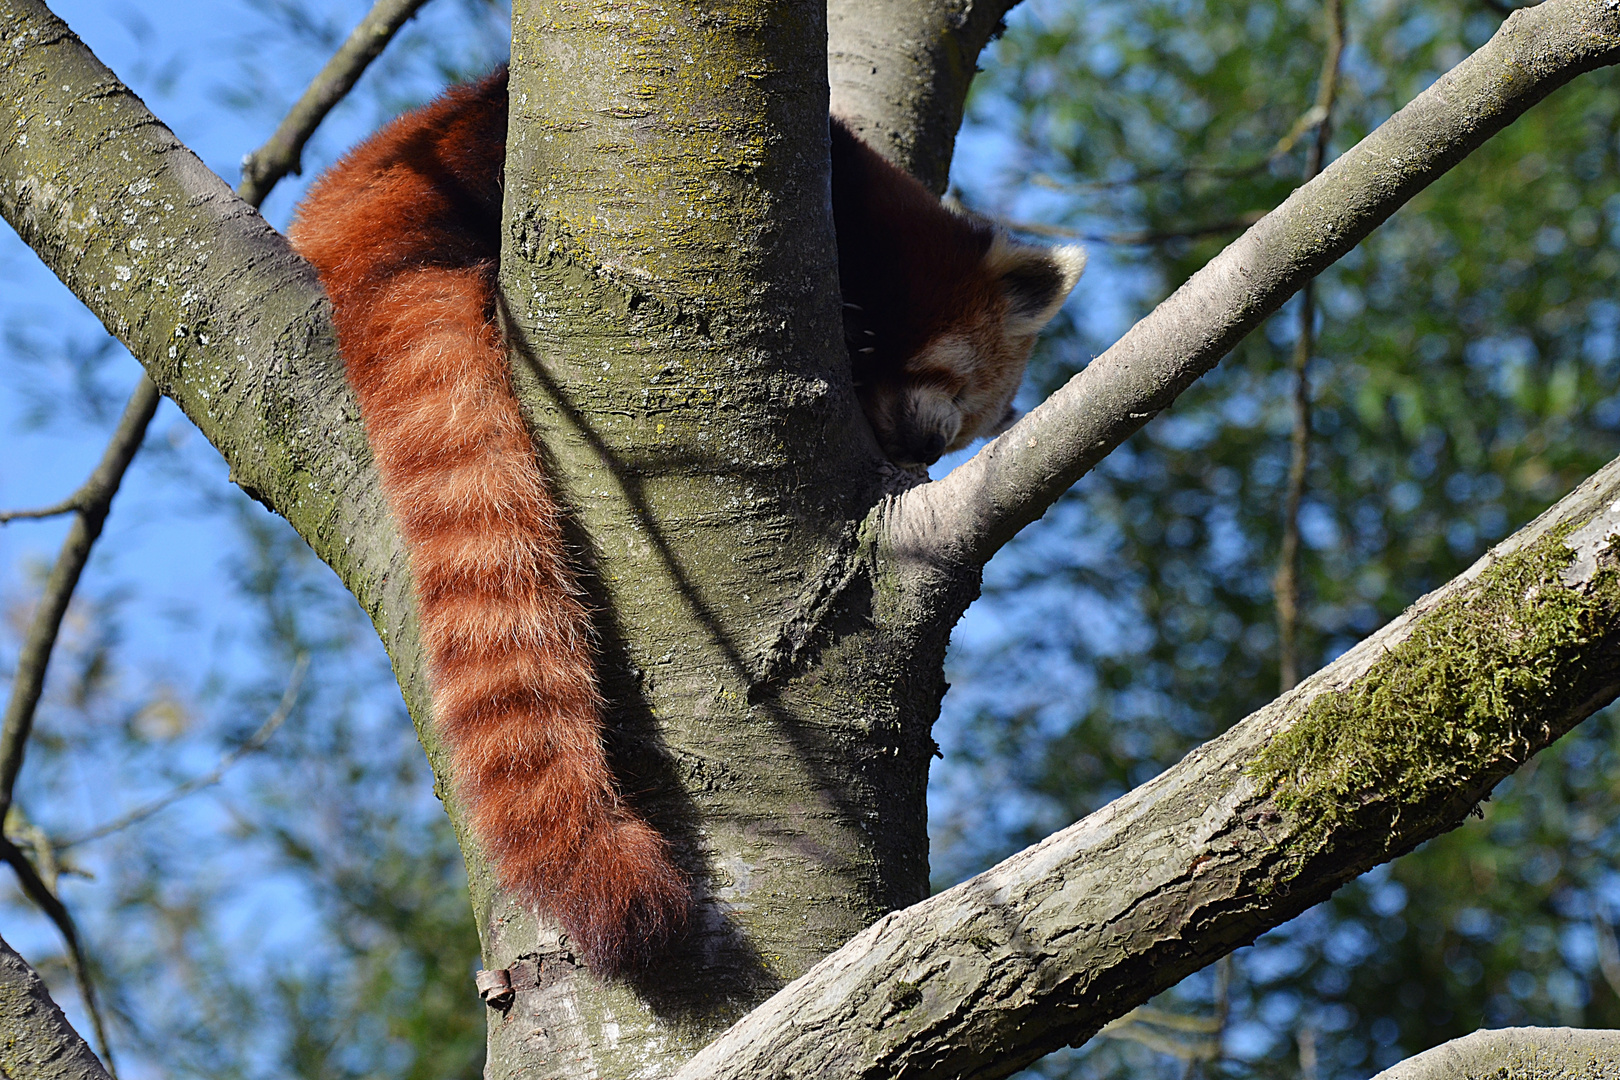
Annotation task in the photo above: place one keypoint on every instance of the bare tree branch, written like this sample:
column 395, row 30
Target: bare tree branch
column 227, row 320
column 900, row 69
column 66, row 506
column 965, row 517
column 92, row 501
column 38, row 1043
column 262, row 169
column 1287, row 578
column 1390, row 745
column 1524, row 1053
column 283, row 153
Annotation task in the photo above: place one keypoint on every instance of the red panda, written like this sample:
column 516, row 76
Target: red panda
column 404, row 232
column 940, row 309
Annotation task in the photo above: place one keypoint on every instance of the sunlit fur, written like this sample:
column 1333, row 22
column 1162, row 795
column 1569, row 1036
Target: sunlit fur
column 940, row 309
column 405, row 234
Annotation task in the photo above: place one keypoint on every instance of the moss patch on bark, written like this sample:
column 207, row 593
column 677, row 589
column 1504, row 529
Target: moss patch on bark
column 1483, row 681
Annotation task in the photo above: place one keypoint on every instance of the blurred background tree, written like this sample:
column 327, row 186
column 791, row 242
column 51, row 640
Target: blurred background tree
column 1461, row 377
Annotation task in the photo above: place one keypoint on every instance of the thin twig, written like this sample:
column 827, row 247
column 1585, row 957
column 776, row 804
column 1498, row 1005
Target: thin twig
column 1307, row 1052
column 262, row 169
column 1306, row 122
column 1139, row 239
column 66, row 506
column 48, row 902
column 284, row 151
column 207, row 779
column 1288, row 568
column 1147, row 1026
column 95, row 499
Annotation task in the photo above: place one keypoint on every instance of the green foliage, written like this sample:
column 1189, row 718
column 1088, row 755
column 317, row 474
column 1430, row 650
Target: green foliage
column 1463, row 378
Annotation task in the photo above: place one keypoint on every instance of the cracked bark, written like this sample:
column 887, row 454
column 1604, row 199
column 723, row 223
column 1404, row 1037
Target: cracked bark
column 39, row 1044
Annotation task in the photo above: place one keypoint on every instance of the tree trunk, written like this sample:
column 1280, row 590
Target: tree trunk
column 670, row 272
column 775, row 597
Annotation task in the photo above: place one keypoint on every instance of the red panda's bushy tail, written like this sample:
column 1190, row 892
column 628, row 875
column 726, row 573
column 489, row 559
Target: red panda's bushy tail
column 405, row 235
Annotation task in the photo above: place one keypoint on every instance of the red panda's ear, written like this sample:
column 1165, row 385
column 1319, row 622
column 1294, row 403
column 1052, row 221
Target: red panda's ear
column 1035, row 280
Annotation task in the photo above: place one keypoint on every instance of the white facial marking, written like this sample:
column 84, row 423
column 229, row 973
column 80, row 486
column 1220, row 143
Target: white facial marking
column 951, row 353
column 934, row 410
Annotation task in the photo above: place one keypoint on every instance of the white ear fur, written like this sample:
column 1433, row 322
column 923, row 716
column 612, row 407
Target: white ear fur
column 1037, row 279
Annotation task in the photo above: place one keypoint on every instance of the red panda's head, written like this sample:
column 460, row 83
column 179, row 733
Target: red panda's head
column 956, row 382
column 941, row 309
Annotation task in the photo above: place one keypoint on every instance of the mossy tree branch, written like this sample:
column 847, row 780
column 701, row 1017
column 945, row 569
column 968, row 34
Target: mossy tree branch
column 1392, row 744
column 963, row 518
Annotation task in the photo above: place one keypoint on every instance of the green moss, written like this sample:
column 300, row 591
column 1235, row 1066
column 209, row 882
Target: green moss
column 905, row 996
column 1481, row 683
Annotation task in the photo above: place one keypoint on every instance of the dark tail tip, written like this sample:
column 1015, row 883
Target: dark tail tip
column 624, row 900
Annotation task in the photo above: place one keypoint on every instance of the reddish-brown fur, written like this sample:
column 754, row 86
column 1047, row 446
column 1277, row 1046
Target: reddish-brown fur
column 404, row 231
column 940, row 309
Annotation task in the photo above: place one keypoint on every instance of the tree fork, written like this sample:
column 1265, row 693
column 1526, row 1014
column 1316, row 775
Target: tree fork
column 669, row 272
column 1390, row 745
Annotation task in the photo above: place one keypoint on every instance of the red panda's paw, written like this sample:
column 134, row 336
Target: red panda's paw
column 623, row 899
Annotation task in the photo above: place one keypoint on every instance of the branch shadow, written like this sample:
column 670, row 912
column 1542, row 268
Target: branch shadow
column 713, row 952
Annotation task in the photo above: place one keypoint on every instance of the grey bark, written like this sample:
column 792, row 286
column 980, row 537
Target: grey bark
column 900, row 71
column 1390, row 745
column 968, row 515
column 670, row 273
column 38, row 1043
column 772, row 643
column 1523, row 1053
